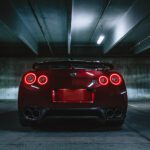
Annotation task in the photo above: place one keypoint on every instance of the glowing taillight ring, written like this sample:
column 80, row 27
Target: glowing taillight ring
column 103, row 80
column 115, row 75
column 42, row 79
column 30, row 78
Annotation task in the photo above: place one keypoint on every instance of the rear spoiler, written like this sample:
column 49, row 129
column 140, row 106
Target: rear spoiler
column 71, row 63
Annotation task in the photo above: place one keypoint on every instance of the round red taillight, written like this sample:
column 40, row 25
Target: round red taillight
column 115, row 79
column 30, row 78
column 103, row 80
column 42, row 79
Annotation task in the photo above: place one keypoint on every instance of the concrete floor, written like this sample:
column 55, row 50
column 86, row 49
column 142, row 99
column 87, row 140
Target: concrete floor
column 76, row 134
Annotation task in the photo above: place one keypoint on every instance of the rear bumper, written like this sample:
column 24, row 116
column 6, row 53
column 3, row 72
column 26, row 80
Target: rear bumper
column 34, row 114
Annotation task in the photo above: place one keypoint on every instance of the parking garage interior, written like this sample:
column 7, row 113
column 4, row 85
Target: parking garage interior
column 113, row 31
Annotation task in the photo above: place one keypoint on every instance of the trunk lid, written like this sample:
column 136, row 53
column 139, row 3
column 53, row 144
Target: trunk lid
column 73, row 78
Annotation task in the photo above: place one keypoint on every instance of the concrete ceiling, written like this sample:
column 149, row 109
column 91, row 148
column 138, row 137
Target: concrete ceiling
column 72, row 27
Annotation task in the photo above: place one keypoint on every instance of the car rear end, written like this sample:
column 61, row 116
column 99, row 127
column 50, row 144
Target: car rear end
column 80, row 89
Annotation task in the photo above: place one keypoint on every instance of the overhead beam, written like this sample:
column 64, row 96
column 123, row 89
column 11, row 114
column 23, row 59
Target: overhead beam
column 10, row 18
column 142, row 45
column 69, row 24
column 98, row 25
column 37, row 15
column 133, row 16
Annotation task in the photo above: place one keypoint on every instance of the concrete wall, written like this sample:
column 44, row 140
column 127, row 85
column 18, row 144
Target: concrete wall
column 136, row 72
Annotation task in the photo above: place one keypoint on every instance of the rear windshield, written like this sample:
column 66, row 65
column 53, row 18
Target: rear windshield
column 73, row 64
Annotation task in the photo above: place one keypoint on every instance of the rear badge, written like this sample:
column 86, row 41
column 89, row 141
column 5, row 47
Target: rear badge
column 73, row 74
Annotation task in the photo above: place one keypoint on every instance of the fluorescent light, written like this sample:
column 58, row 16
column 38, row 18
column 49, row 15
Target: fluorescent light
column 100, row 39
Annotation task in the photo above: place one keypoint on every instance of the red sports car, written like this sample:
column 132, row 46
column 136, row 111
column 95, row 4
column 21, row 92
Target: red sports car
column 72, row 88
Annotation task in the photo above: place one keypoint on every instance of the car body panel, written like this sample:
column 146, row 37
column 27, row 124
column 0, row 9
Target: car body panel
column 72, row 89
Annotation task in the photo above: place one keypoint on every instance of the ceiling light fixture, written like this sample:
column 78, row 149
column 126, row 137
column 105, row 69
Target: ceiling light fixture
column 100, row 39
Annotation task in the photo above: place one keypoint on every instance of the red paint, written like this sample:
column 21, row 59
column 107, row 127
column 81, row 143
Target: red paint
column 93, row 97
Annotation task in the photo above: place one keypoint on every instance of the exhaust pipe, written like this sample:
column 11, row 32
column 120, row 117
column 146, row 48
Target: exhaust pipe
column 113, row 114
column 32, row 113
column 118, row 113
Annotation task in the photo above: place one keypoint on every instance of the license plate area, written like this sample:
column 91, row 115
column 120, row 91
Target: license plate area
column 72, row 96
